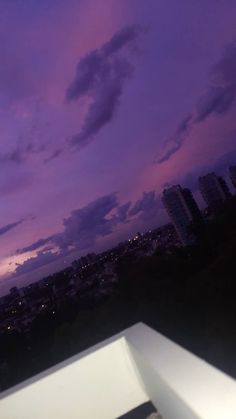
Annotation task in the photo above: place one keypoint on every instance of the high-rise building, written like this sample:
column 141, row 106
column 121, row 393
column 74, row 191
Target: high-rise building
column 183, row 211
column 232, row 172
column 214, row 190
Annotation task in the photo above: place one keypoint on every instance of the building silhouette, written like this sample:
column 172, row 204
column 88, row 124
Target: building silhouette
column 232, row 172
column 183, row 212
column 214, row 190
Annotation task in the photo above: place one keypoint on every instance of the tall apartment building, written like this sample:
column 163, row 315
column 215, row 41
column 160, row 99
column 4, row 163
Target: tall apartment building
column 214, row 190
column 183, row 212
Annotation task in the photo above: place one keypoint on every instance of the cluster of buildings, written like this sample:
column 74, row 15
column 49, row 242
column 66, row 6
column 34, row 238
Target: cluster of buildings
column 78, row 283
column 93, row 276
column 183, row 209
column 86, row 281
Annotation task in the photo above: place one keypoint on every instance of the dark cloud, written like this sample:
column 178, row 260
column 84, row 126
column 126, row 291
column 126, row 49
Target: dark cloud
column 97, row 219
column 147, row 212
column 184, row 125
column 105, row 103
column 86, row 225
column 101, row 75
column 146, row 206
column 218, row 100
column 121, row 39
column 81, row 230
column 82, row 227
column 8, row 227
column 221, row 93
column 86, row 75
column 41, row 259
column 122, row 213
column 54, row 155
column 90, row 67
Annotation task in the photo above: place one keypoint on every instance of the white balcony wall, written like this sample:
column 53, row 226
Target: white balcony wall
column 180, row 384
column 123, row 372
column 99, row 384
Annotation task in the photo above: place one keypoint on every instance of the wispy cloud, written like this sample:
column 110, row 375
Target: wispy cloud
column 219, row 99
column 5, row 229
column 34, row 246
column 176, row 142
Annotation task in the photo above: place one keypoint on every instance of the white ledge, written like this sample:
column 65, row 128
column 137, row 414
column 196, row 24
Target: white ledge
column 118, row 375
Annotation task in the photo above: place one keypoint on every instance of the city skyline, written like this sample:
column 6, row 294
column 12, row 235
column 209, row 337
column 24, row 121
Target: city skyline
column 100, row 110
column 191, row 213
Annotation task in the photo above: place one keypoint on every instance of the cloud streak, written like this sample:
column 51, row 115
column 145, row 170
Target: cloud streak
column 5, row 229
column 218, row 100
column 177, row 140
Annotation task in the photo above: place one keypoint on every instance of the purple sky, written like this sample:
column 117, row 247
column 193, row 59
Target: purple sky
column 100, row 108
